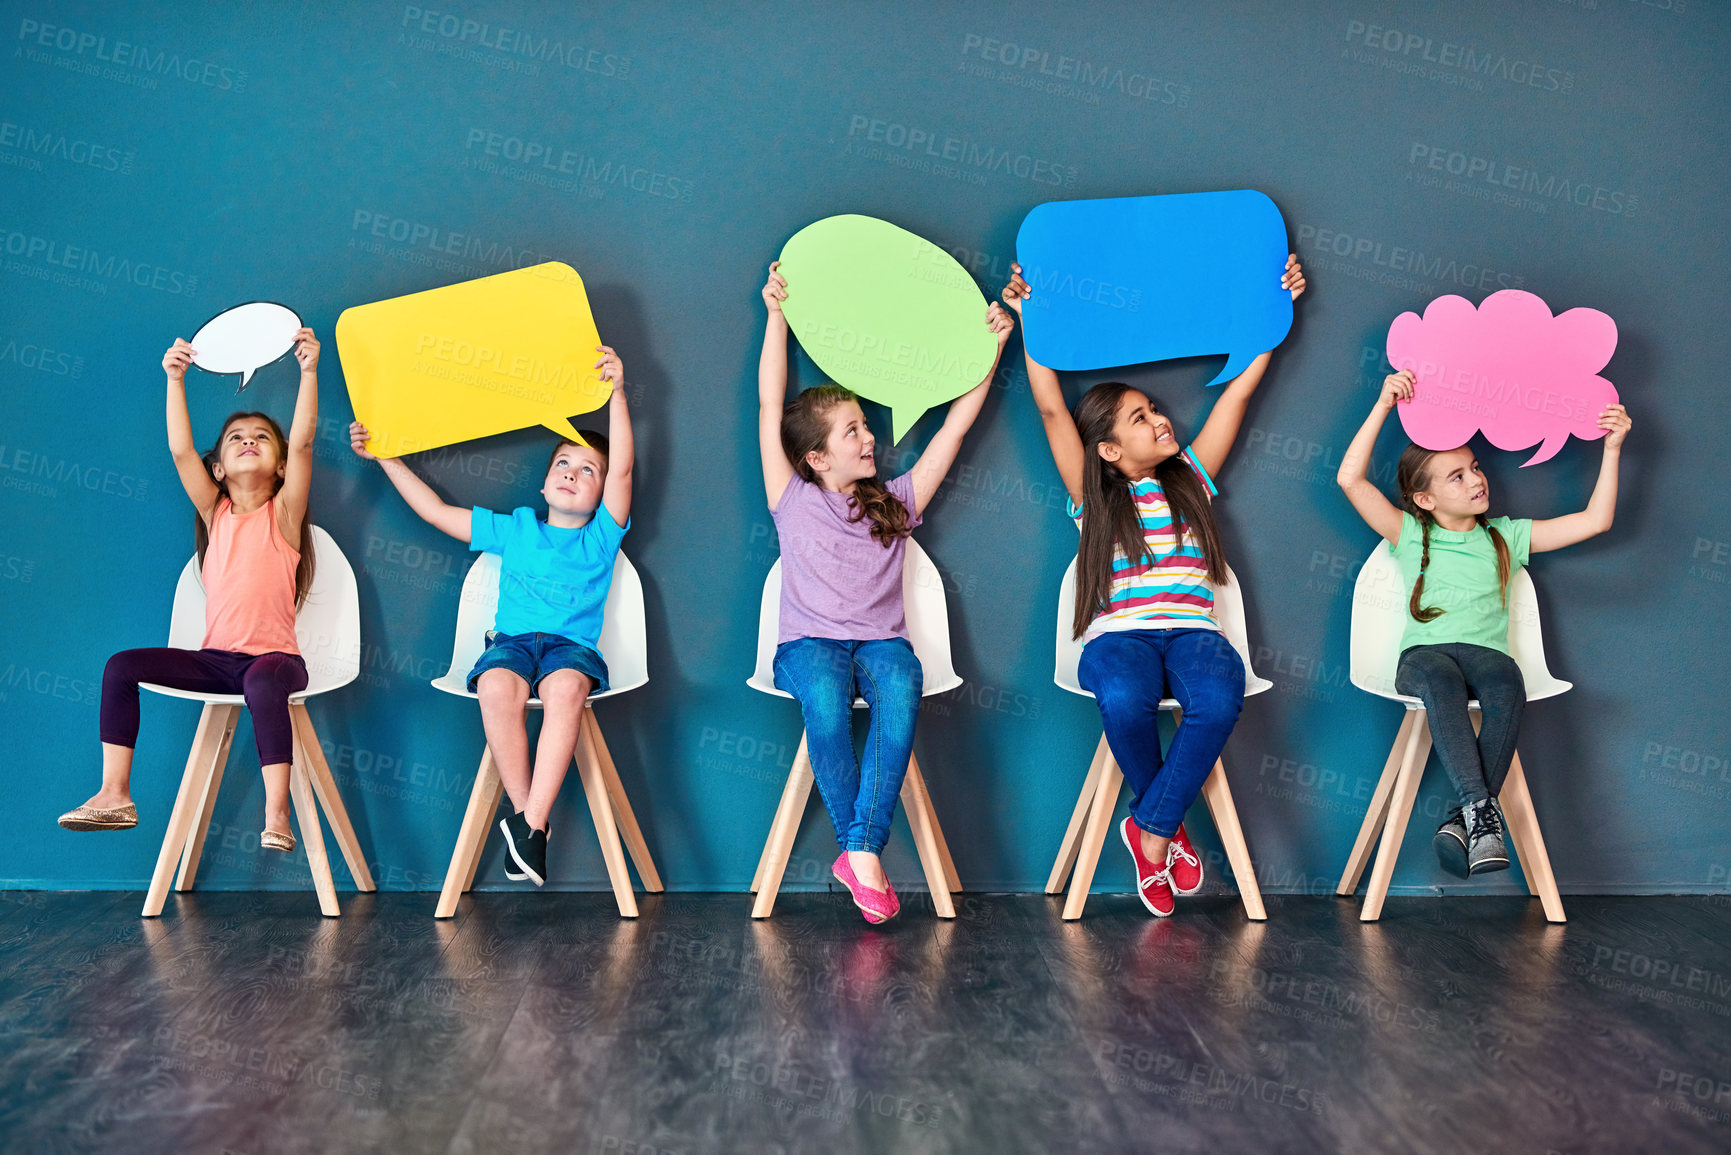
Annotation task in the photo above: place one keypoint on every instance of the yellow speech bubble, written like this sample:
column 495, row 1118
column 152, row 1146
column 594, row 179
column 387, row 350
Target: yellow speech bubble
column 473, row 359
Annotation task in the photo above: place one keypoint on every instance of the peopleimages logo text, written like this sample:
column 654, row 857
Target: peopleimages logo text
column 1467, row 59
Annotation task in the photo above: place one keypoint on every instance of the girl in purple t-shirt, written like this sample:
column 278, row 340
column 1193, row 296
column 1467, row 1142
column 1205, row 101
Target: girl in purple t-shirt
column 842, row 534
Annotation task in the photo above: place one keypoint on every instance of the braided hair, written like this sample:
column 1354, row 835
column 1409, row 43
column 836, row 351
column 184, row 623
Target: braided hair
column 1413, row 475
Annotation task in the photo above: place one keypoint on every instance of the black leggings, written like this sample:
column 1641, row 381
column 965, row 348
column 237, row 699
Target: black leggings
column 267, row 680
column 1445, row 677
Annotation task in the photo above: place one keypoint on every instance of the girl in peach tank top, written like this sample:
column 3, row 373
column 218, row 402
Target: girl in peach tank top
column 250, row 494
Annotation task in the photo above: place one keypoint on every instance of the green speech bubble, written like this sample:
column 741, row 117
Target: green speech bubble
column 887, row 314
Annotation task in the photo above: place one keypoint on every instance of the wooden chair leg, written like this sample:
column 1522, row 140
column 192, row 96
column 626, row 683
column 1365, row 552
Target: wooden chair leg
column 477, row 819
column 1399, row 811
column 763, row 859
column 1105, row 801
column 495, row 795
column 1073, row 832
column 606, row 828
column 921, row 820
column 185, row 812
column 1218, row 793
column 306, row 812
column 1378, row 812
column 324, row 785
column 1517, row 802
column 229, row 716
column 782, row 832
column 622, row 811
column 951, row 878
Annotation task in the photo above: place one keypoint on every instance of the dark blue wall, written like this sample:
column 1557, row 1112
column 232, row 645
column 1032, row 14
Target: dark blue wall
column 159, row 163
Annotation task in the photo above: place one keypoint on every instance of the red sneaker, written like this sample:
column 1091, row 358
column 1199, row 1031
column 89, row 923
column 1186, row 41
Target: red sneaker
column 1184, row 864
column 1153, row 883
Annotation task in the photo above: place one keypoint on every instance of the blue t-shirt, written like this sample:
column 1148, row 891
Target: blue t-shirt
column 551, row 580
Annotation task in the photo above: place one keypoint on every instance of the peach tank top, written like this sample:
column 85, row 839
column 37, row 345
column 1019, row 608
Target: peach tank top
column 249, row 583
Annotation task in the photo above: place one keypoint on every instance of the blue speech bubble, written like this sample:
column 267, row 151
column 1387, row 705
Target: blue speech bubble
column 1124, row 280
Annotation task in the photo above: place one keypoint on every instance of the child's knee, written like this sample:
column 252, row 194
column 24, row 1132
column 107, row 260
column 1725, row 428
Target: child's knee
column 501, row 688
column 563, row 690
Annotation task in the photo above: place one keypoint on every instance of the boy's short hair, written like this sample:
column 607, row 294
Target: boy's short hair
column 597, row 442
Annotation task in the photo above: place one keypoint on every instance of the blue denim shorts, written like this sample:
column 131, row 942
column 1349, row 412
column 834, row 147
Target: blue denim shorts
column 534, row 656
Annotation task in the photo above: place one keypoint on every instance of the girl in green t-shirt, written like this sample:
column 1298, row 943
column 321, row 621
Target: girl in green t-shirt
column 1457, row 562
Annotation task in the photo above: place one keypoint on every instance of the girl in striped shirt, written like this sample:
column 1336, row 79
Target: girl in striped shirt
column 1146, row 569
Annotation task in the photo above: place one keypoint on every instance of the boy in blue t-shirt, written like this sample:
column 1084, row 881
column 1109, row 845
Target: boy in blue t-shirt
column 553, row 581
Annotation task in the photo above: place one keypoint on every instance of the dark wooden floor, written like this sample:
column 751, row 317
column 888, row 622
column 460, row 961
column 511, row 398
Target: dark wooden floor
column 541, row 1022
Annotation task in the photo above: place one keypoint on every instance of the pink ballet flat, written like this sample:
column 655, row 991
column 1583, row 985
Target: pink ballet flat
column 876, row 905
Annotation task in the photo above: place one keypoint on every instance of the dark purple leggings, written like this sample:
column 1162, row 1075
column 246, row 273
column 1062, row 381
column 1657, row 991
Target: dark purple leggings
column 267, row 680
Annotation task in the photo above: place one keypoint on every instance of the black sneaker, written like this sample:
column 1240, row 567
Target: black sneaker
column 534, row 860
column 1451, row 844
column 1485, row 849
column 516, row 831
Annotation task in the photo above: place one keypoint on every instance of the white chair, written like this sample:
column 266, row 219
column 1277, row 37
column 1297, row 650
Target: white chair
column 624, row 646
column 328, row 631
column 1092, row 818
column 929, row 631
column 1379, row 616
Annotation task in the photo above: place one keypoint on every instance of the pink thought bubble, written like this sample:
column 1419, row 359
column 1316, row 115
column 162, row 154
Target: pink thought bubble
column 1507, row 367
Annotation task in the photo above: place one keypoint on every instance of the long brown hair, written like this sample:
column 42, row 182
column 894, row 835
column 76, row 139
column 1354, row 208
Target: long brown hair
column 201, row 532
column 1413, row 475
column 1109, row 515
column 805, row 429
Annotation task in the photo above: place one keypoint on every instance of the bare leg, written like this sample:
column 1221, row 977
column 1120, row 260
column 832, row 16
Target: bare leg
column 503, row 698
column 116, row 778
column 563, row 694
column 867, row 867
column 276, row 797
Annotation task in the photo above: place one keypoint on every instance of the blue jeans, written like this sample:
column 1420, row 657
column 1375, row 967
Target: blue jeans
column 824, row 674
column 1128, row 673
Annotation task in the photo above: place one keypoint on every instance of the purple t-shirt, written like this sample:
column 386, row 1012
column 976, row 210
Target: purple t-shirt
column 837, row 581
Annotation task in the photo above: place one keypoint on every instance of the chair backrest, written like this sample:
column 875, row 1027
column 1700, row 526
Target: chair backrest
column 624, row 634
column 1228, row 610
column 327, row 627
column 923, row 602
column 1379, row 616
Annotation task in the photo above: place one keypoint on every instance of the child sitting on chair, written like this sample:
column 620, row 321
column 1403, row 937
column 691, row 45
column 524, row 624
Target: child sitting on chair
column 553, row 580
column 255, row 558
column 1457, row 561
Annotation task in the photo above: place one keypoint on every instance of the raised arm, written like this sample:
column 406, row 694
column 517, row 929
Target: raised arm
column 194, row 477
column 1061, row 435
column 1220, row 431
column 1379, row 512
column 1556, row 532
column 621, row 449
column 291, row 506
column 934, row 464
column 429, row 506
column 772, row 390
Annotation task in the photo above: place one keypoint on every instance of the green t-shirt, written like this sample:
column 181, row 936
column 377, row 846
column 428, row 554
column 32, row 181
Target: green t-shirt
column 1461, row 580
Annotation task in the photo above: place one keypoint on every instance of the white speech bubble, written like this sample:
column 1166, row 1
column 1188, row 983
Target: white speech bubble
column 244, row 338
